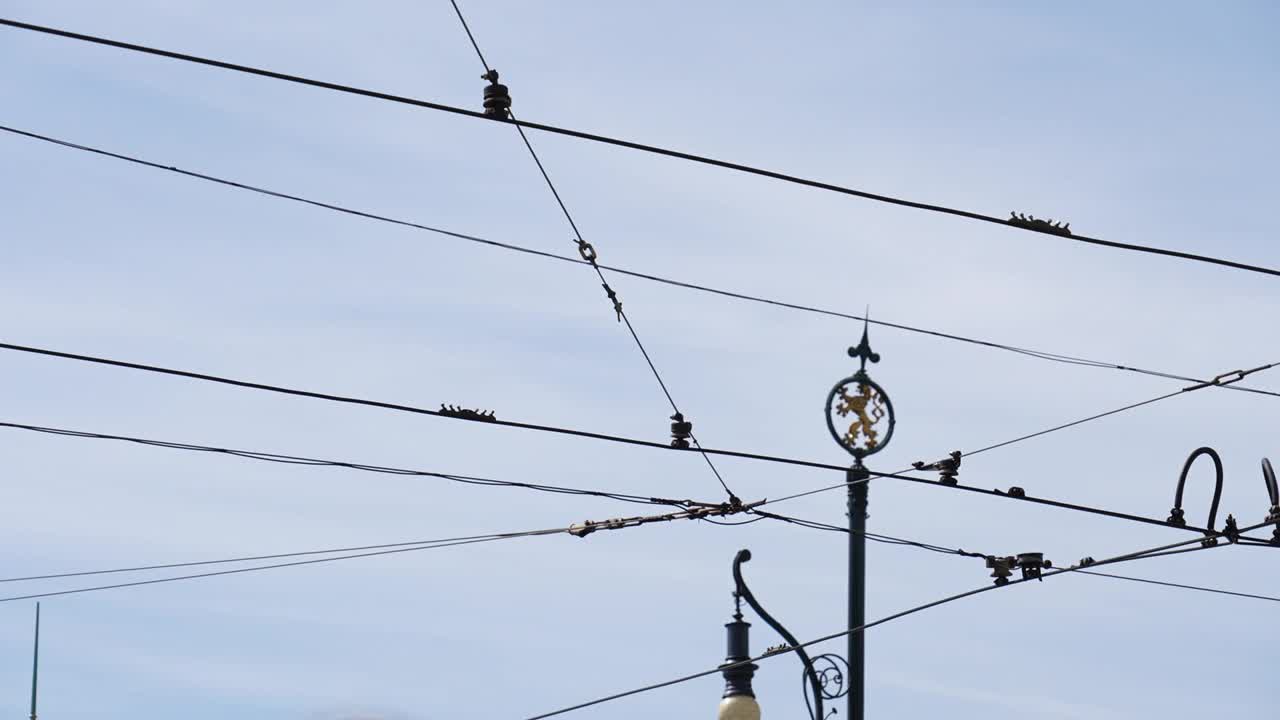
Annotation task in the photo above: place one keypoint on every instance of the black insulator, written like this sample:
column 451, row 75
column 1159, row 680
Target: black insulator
column 1001, row 568
column 681, row 431
column 497, row 99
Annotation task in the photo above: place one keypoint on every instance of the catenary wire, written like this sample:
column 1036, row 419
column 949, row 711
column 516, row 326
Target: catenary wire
column 877, row 537
column 701, row 159
column 862, row 628
column 570, row 431
column 363, row 467
column 1181, row 586
column 291, row 459
column 274, row 566
column 580, row 530
column 890, row 540
column 496, row 421
column 347, row 210
column 417, row 544
column 581, row 242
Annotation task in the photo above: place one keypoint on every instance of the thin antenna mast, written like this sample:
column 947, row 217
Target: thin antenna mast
column 35, row 664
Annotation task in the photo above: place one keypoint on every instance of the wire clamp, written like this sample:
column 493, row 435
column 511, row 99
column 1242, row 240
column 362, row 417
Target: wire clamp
column 1230, row 530
column 948, row 468
column 497, row 99
column 467, row 414
column 613, row 297
column 1032, row 222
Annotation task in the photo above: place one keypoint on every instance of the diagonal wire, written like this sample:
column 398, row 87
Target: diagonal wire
column 890, row 540
column 591, row 258
column 579, row 530
column 862, row 628
column 275, row 566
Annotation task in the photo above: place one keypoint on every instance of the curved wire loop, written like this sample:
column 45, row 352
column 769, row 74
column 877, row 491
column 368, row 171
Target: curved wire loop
column 1177, row 516
column 815, row 683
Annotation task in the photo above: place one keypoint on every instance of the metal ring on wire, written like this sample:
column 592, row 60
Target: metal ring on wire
column 832, row 671
column 587, row 251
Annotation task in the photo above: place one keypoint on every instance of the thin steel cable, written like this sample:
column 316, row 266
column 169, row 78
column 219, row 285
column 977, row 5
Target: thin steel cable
column 943, row 550
column 296, row 563
column 1235, row 376
column 417, row 544
column 877, row 537
column 347, row 210
column 580, row 530
column 691, row 157
column 581, row 242
column 850, row 631
column 291, row 459
column 565, row 431
column 285, row 459
column 1081, row 421
column 1181, row 586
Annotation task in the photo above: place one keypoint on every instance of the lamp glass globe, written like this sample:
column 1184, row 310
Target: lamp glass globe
column 739, row 707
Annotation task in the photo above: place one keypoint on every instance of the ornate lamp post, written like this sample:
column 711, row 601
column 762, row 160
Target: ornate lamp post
column 824, row 675
column 860, row 418
column 739, row 701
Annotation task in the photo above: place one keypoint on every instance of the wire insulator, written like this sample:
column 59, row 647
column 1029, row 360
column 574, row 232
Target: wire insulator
column 681, row 431
column 497, row 99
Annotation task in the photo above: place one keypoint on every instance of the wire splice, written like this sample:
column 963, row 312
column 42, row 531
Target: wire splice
column 613, row 298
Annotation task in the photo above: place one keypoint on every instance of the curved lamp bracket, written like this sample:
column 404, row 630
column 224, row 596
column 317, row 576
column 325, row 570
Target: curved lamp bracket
column 817, row 682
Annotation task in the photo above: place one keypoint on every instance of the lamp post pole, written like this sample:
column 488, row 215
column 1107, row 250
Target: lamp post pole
column 863, row 404
column 857, row 584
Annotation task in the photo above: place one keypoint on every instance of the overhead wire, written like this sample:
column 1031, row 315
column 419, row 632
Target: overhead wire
column 578, row 529
column 876, row 537
column 417, row 544
column 943, row 550
column 320, row 462
column 256, row 568
column 1181, row 586
column 591, row 257
column 522, row 249
column 653, row 149
column 491, row 420
column 783, row 650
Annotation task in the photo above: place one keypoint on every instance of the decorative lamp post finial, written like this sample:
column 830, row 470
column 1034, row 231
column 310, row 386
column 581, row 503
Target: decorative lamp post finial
column 862, row 403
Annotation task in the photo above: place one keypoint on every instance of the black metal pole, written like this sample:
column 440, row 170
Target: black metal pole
column 858, row 479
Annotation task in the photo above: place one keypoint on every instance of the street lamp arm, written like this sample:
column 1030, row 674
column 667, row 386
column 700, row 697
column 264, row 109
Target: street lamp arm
column 815, row 684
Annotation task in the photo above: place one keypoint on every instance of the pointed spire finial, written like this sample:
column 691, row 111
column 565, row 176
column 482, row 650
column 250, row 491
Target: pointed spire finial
column 863, row 350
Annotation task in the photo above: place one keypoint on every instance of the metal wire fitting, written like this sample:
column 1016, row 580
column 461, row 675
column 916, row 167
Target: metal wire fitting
column 681, row 431
column 497, row 99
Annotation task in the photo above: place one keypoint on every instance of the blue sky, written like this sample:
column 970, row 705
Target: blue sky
column 1136, row 122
